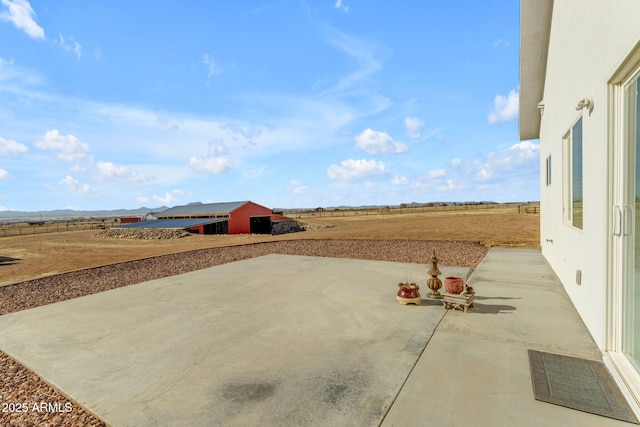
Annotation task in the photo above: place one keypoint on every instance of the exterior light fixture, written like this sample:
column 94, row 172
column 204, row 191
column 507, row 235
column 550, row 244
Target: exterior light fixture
column 541, row 107
column 585, row 103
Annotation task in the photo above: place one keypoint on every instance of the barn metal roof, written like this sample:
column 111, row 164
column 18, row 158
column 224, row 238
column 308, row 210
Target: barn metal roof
column 202, row 209
column 172, row 223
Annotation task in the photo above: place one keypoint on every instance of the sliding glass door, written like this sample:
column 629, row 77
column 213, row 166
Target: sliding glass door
column 630, row 224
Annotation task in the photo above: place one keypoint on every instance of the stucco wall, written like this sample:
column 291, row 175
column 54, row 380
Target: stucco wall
column 589, row 39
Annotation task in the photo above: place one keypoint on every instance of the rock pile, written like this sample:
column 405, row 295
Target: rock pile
column 141, row 233
column 310, row 227
column 286, row 226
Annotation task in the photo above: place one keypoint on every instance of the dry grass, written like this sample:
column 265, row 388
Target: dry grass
column 52, row 253
column 504, row 228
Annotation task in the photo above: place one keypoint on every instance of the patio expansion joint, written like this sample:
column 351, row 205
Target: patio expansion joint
column 411, row 370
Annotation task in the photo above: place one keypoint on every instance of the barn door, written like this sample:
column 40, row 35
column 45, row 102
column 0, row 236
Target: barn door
column 260, row 225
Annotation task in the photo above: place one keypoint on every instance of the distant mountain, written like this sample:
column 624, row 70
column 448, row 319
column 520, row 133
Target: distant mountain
column 70, row 213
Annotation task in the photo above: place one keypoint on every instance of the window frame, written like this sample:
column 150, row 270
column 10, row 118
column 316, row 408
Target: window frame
column 548, row 170
column 569, row 180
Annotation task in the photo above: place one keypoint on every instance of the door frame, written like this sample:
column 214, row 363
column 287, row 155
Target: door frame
column 627, row 376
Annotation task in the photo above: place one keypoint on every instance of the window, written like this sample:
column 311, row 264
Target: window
column 549, row 170
column 572, row 150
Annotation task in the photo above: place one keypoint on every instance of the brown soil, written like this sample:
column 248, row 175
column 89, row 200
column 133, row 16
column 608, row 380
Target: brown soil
column 32, row 256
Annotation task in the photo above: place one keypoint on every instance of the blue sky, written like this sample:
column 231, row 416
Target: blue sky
column 289, row 103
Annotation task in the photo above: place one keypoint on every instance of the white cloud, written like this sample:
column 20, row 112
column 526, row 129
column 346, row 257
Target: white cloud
column 369, row 62
column 414, row 127
column 437, row 173
column 516, row 155
column 3, row 174
column 212, row 67
column 400, row 180
column 502, row 163
column 304, row 121
column 376, row 143
column 69, row 46
column 505, row 108
column 74, row 186
column 449, row 185
column 251, row 174
column 108, row 170
column 69, row 148
column 351, row 169
column 339, row 5
column 526, row 150
column 212, row 165
column 297, row 187
column 8, row 147
column 142, row 199
column 20, row 80
column 169, row 197
column 6, row 62
column 495, row 175
column 217, row 149
column 485, row 171
column 20, row 14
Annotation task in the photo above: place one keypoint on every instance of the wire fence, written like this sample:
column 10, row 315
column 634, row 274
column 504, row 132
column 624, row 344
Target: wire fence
column 41, row 227
column 23, row 229
column 523, row 208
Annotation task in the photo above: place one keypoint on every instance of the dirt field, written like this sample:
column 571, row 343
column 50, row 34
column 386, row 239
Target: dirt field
column 32, row 256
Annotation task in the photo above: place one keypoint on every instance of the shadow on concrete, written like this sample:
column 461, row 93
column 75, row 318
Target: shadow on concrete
column 431, row 302
column 492, row 308
column 427, row 302
column 485, row 298
column 5, row 260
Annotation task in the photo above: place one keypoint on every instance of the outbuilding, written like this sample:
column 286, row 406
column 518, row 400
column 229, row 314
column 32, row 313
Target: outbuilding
column 241, row 217
column 197, row 226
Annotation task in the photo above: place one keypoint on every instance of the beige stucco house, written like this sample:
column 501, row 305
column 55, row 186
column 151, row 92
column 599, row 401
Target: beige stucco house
column 579, row 76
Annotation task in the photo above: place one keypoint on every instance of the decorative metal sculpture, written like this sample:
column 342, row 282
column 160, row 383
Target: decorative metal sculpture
column 434, row 283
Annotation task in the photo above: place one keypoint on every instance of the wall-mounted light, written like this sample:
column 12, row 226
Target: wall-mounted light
column 585, row 103
column 541, row 107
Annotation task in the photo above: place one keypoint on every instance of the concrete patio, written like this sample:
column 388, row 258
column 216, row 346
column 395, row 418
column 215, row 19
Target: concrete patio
column 475, row 369
column 292, row 340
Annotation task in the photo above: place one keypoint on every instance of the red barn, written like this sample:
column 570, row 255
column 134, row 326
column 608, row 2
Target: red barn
column 129, row 219
column 241, row 217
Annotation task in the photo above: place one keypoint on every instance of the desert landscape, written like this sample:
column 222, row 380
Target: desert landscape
column 36, row 255
column 45, row 268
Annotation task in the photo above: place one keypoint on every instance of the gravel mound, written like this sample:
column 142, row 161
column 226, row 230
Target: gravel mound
column 18, row 385
column 141, row 233
column 28, row 400
column 286, row 226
